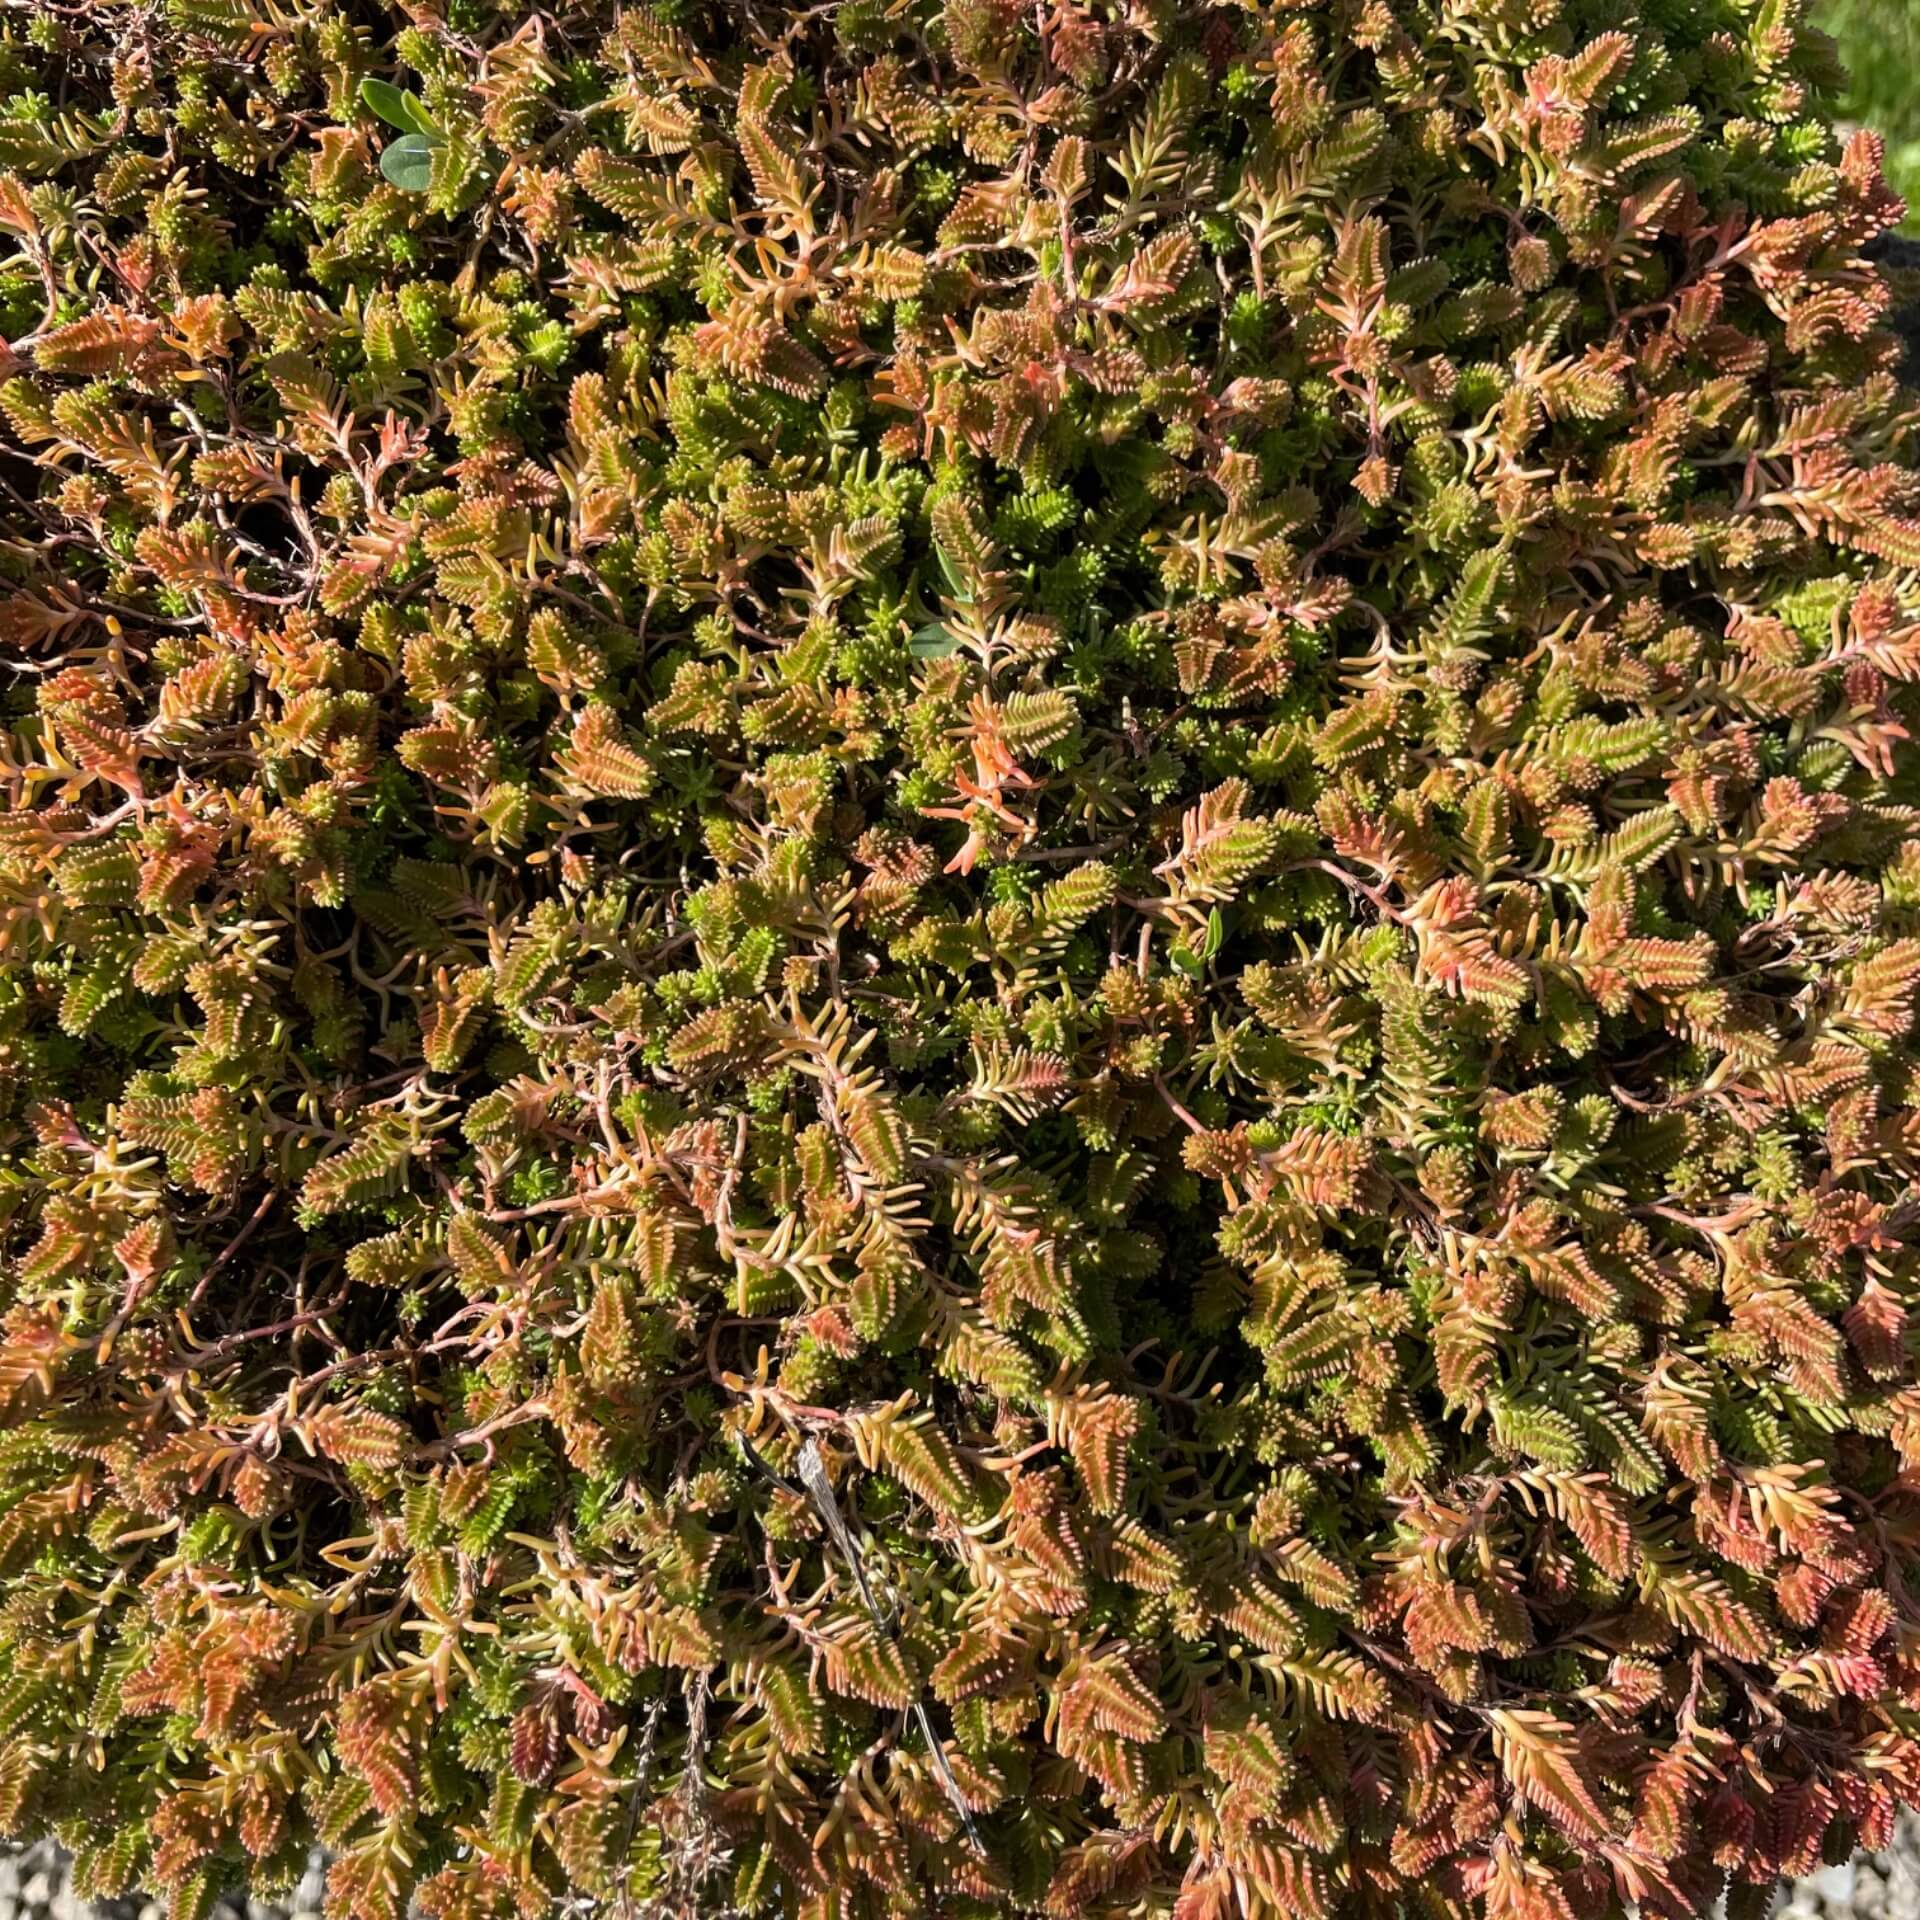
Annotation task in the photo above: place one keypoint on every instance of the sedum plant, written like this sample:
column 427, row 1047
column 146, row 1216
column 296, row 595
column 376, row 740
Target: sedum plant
column 955, row 959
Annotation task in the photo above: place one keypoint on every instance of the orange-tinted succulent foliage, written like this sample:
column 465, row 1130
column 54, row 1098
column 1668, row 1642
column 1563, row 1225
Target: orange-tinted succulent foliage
column 955, row 959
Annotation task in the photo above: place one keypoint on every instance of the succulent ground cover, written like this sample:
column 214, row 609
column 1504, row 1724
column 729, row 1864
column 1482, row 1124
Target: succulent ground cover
column 954, row 959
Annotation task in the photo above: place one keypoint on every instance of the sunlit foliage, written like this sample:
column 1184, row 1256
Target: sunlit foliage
column 955, row 959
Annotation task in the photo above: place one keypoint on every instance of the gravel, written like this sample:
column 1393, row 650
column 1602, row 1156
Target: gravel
column 33, row 1886
column 1874, row 1886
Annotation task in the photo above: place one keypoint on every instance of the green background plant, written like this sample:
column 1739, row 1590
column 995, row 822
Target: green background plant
column 1880, row 42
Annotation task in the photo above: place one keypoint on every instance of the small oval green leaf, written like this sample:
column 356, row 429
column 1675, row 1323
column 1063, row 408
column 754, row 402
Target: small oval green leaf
column 408, row 162
column 394, row 106
column 419, row 118
column 932, row 642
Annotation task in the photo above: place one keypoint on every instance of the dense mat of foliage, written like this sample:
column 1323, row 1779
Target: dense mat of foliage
column 956, row 959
